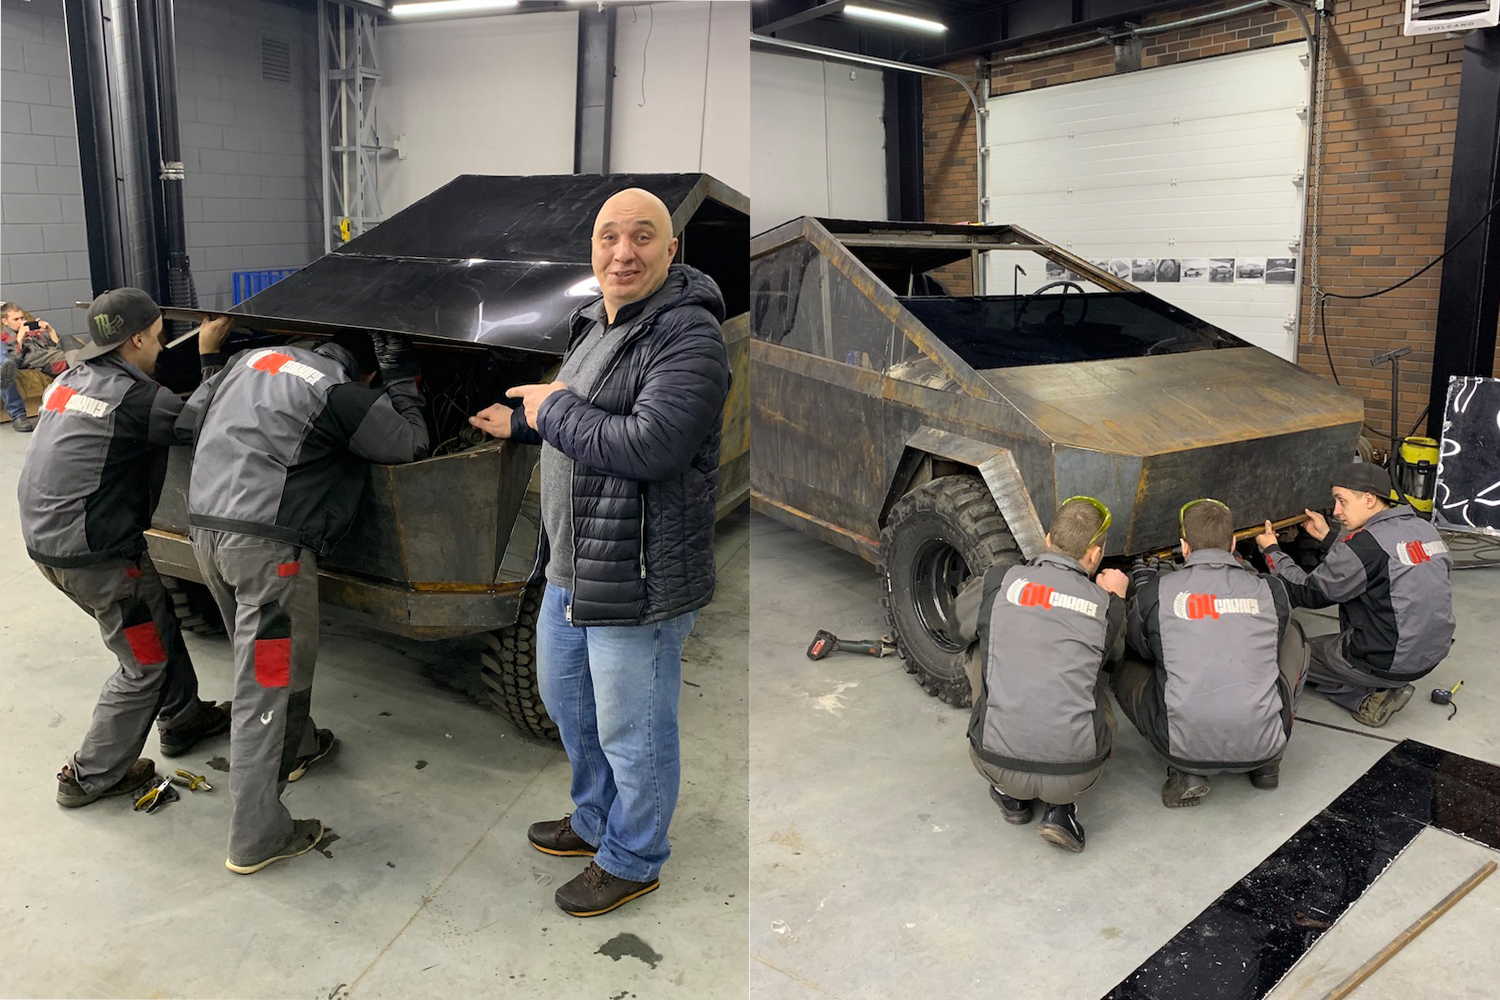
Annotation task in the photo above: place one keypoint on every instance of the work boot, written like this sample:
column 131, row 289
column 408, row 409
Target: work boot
column 1060, row 826
column 557, row 837
column 305, row 836
column 211, row 720
column 326, row 742
column 1267, row 776
column 1378, row 706
column 1183, row 788
column 1015, row 811
column 70, row 794
column 22, row 424
column 596, row 891
column 7, row 374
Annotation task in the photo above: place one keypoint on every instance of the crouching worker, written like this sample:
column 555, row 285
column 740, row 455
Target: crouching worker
column 1389, row 575
column 87, row 492
column 283, row 435
column 1042, row 725
column 1224, row 662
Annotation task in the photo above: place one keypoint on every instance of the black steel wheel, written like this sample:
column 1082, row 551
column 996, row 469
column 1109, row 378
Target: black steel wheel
column 194, row 605
column 937, row 537
column 507, row 665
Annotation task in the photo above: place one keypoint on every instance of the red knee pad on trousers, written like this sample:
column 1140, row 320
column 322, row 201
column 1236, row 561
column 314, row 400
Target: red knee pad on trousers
column 273, row 662
column 145, row 644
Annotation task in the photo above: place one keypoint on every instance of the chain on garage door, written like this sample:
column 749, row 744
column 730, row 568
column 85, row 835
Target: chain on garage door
column 1188, row 178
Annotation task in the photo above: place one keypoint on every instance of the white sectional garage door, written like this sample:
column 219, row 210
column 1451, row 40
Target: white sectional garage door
column 1190, row 172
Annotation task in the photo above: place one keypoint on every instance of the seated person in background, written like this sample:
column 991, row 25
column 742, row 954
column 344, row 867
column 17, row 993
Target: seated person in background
column 36, row 345
column 1389, row 576
column 1224, row 662
column 15, row 406
column 1042, row 725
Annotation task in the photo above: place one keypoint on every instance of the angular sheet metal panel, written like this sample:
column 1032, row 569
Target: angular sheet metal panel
column 1145, row 406
column 499, row 261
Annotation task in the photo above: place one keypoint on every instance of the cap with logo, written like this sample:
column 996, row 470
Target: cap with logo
column 114, row 318
column 1366, row 477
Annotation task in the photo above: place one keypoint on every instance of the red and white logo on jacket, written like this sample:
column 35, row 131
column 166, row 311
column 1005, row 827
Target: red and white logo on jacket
column 1195, row 607
column 1024, row 593
column 274, row 362
column 1417, row 553
column 61, row 399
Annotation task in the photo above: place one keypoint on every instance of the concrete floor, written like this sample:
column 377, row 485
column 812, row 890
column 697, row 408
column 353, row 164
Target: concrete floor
column 882, row 869
column 428, row 889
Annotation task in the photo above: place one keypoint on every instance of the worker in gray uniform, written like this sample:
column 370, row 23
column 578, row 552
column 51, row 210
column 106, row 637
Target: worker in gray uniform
column 86, row 495
column 1388, row 571
column 1042, row 726
column 282, row 436
column 1221, row 661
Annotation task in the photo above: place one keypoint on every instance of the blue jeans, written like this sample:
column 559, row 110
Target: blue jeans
column 14, row 405
column 613, row 693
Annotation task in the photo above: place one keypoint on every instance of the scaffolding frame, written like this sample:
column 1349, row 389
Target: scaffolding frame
column 348, row 85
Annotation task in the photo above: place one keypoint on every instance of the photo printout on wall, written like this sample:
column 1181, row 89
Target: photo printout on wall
column 1195, row 271
column 1143, row 269
column 1250, row 271
column 1168, row 269
column 1281, row 270
column 1221, row 270
column 1120, row 267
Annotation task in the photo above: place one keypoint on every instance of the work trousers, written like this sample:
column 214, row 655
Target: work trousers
column 1053, row 789
column 1134, row 684
column 10, row 395
column 613, row 692
column 267, row 592
column 49, row 360
column 1335, row 678
column 154, row 677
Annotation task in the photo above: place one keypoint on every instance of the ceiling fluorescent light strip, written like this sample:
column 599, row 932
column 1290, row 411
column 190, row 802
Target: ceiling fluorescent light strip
column 429, row 8
column 893, row 19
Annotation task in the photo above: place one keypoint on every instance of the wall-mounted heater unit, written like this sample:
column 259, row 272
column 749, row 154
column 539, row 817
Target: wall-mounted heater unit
column 1427, row 17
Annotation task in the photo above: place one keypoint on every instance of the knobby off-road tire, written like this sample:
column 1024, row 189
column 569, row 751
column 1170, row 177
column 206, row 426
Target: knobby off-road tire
column 507, row 665
column 938, row 536
column 194, row 606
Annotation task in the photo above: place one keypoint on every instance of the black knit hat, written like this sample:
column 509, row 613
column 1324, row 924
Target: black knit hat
column 1366, row 477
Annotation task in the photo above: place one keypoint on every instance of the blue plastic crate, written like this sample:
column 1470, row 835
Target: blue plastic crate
column 248, row 283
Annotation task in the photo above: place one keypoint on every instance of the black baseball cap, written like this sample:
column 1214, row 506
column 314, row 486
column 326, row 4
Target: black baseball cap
column 1366, row 477
column 114, row 318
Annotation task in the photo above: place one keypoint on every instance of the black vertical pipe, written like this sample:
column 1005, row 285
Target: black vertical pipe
column 182, row 291
column 594, row 97
column 84, row 23
column 903, row 147
column 1469, row 296
column 146, row 33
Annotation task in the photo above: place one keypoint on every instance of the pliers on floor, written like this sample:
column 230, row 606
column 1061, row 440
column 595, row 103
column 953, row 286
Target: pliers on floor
column 157, row 796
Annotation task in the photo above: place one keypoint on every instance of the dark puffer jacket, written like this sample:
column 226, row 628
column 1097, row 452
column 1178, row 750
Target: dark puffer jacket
column 645, row 448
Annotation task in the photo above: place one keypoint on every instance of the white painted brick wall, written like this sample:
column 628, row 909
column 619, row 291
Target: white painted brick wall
column 43, row 246
column 250, row 148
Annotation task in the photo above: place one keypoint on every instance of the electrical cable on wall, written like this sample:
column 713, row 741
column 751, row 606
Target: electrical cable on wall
column 1322, row 297
column 650, row 26
column 708, row 47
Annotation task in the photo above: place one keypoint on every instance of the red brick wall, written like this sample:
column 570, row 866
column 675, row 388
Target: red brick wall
column 1390, row 108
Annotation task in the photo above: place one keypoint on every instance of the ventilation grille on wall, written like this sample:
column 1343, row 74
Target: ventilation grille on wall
column 275, row 59
column 1426, row 17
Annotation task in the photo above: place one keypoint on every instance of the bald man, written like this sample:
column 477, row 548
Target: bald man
column 630, row 456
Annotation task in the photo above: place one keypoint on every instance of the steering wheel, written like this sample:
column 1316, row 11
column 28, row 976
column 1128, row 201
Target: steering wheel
column 1055, row 318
